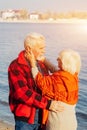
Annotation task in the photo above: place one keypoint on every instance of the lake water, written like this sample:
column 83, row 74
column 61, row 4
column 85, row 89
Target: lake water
column 58, row 36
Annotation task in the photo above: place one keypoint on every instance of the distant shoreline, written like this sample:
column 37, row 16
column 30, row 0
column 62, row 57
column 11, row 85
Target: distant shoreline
column 46, row 21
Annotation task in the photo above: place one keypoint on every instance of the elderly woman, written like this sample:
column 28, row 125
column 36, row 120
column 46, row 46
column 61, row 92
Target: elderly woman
column 62, row 86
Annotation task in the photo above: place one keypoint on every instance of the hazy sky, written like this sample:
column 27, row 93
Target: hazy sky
column 45, row 5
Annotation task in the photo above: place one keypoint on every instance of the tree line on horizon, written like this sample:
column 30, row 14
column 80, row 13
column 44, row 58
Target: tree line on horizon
column 24, row 14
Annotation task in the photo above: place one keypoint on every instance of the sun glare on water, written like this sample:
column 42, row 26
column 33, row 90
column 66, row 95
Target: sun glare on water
column 83, row 26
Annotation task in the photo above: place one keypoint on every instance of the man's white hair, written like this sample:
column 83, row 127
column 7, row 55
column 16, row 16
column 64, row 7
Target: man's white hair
column 71, row 61
column 33, row 39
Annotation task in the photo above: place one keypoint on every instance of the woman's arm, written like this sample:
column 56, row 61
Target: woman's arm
column 43, row 82
column 51, row 67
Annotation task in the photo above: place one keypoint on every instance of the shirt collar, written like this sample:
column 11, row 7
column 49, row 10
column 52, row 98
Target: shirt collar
column 21, row 58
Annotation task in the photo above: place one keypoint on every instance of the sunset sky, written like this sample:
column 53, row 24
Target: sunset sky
column 45, row 5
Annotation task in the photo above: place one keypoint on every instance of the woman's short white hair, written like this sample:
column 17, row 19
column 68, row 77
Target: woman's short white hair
column 71, row 61
column 33, row 39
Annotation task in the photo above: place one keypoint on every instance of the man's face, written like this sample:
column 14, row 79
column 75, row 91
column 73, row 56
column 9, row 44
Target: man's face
column 38, row 50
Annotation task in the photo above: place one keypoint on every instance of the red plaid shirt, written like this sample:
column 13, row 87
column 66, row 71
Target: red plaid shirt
column 23, row 98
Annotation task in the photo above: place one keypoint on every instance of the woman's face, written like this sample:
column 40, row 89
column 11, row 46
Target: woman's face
column 59, row 63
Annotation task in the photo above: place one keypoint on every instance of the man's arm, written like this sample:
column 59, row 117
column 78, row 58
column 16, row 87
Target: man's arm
column 22, row 93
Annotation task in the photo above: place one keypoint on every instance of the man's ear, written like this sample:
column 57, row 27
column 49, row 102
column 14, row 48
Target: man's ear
column 28, row 48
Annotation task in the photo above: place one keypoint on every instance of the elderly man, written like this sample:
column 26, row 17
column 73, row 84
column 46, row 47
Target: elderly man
column 25, row 99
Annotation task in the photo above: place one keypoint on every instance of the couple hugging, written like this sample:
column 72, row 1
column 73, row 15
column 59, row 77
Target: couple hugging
column 41, row 94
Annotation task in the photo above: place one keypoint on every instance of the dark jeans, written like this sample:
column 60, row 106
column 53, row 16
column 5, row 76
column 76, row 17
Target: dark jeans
column 20, row 125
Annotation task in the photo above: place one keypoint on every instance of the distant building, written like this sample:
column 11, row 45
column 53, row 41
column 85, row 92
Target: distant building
column 8, row 14
column 51, row 19
column 17, row 14
column 34, row 16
